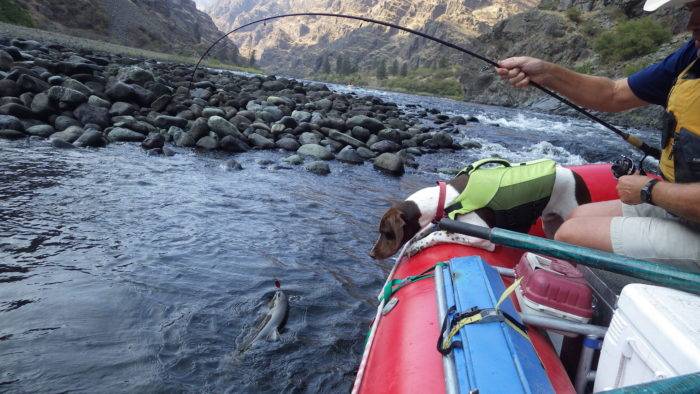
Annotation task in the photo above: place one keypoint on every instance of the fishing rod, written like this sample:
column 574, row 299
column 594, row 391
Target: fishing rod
column 631, row 139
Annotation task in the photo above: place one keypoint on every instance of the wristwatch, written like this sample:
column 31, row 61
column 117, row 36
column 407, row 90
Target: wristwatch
column 646, row 191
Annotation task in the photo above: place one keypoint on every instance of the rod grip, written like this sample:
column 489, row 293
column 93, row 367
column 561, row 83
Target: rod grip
column 465, row 228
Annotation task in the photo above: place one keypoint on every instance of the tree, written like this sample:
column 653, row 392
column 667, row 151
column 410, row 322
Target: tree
column 394, row 69
column 326, row 65
column 404, row 69
column 381, row 70
column 251, row 62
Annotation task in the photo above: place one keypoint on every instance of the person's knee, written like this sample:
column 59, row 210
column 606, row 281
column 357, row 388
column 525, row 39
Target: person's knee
column 567, row 232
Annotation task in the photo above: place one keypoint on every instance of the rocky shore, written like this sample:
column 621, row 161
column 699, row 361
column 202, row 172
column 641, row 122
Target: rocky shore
column 80, row 98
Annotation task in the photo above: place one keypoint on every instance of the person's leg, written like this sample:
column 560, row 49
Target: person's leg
column 598, row 209
column 591, row 232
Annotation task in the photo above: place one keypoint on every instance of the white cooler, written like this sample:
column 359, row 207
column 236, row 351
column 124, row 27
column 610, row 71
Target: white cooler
column 654, row 334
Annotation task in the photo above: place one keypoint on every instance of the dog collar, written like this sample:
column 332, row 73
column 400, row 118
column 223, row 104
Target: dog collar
column 440, row 211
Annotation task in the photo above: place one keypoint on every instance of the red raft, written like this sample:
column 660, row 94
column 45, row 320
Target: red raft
column 401, row 354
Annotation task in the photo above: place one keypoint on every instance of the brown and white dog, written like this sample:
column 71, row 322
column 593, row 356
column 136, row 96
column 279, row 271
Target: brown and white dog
column 403, row 220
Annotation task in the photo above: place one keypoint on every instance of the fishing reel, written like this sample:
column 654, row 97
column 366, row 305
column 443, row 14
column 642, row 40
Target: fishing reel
column 626, row 166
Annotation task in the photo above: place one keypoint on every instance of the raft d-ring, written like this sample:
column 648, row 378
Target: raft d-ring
column 390, row 305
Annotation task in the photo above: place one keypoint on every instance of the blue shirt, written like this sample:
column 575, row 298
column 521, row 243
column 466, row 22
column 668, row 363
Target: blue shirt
column 653, row 84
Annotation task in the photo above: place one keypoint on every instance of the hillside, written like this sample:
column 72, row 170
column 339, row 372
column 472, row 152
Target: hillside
column 298, row 46
column 172, row 26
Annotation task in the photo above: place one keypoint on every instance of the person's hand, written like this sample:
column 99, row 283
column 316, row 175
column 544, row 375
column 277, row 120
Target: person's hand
column 520, row 71
column 629, row 188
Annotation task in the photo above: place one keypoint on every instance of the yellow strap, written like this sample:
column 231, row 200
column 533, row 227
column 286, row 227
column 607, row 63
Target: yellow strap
column 477, row 317
column 508, row 292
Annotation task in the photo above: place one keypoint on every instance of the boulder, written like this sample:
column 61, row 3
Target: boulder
column 88, row 114
column 71, row 83
column 366, row 153
column 63, row 122
column 360, row 133
column 315, row 150
column 6, row 61
column 232, row 165
column 153, row 141
column 385, row 146
column 125, row 135
column 42, row 130
column 20, row 111
column 9, row 88
column 233, row 144
column 8, row 134
column 318, row 168
column 289, row 144
column 199, row 129
column 371, row 124
column 61, row 144
column 208, row 143
column 389, row 163
column 121, row 108
column 345, row 139
column 349, row 155
column 185, row 140
column 90, row 139
column 69, row 135
column 32, row 84
column 70, row 97
column 223, row 127
column 301, row 116
column 261, row 142
column 309, row 138
column 165, row 121
column 11, row 123
column 98, row 102
column 294, row 160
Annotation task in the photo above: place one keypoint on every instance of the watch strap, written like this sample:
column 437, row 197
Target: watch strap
column 646, row 191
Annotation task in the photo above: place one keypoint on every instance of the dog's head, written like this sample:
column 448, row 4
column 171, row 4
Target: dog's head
column 398, row 225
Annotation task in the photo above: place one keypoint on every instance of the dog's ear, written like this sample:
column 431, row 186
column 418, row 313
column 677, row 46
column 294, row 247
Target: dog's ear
column 391, row 233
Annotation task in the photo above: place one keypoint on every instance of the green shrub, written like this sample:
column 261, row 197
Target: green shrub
column 590, row 28
column 11, row 12
column 585, row 68
column 549, row 5
column 632, row 68
column 631, row 39
column 574, row 14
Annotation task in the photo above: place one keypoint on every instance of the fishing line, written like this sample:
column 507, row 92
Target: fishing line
column 631, row 139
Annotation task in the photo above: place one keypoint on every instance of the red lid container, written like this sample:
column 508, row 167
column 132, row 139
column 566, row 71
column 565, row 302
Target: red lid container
column 555, row 284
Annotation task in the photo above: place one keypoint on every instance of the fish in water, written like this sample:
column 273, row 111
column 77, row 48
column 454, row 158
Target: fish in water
column 276, row 318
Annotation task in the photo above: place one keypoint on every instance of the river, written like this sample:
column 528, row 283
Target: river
column 121, row 272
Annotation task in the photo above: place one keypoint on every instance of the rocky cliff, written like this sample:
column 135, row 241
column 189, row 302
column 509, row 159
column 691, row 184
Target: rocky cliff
column 173, row 26
column 295, row 46
column 552, row 34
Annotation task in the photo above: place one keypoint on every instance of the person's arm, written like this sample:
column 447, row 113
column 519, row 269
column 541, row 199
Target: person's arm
column 681, row 199
column 598, row 93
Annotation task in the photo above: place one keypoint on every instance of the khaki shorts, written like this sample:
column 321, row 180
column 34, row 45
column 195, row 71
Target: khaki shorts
column 648, row 232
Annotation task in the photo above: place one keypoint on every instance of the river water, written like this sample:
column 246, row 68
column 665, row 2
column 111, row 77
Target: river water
column 121, row 272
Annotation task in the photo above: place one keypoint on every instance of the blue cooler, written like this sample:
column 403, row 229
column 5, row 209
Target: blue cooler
column 486, row 349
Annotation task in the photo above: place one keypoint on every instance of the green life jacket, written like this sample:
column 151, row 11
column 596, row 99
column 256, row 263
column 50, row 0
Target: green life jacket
column 517, row 193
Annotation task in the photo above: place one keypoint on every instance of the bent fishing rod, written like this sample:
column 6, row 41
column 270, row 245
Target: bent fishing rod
column 631, row 139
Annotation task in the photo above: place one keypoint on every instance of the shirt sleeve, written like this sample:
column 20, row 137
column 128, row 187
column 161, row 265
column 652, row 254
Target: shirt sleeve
column 653, row 84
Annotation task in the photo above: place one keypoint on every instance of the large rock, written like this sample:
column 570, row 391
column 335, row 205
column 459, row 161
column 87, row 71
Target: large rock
column 345, row 139
column 233, row 144
column 90, row 139
column 63, row 122
column 6, row 61
column 10, row 122
column 273, row 85
column 389, row 163
column 349, row 155
column 8, row 134
column 9, row 88
column 17, row 110
column 301, row 116
column 134, row 74
column 32, row 84
column 88, row 114
column 289, row 144
column 67, row 96
column 42, row 105
column 318, row 168
column 185, row 140
column 261, row 142
column 208, row 143
column 153, row 141
column 68, row 135
column 385, row 146
column 315, row 150
column 42, row 130
column 121, row 108
column 98, row 102
column 199, row 129
column 125, row 135
column 71, row 83
column 165, row 121
column 371, row 124
column 309, row 138
column 223, row 127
